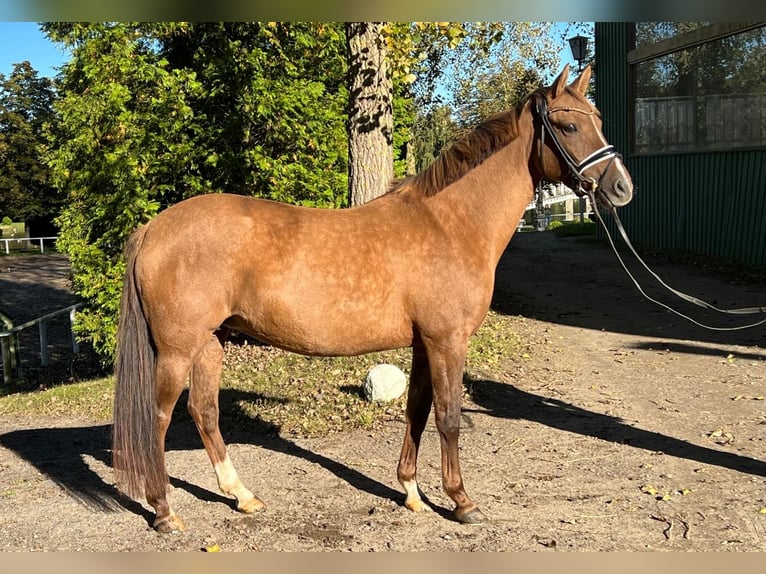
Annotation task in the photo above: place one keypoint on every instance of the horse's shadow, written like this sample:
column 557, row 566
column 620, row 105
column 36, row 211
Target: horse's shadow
column 506, row 401
column 62, row 453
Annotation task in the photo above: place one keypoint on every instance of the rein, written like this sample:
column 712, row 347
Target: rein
column 676, row 292
column 588, row 186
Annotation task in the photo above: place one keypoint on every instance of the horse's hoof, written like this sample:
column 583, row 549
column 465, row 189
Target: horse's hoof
column 169, row 524
column 472, row 516
column 417, row 505
column 253, row 505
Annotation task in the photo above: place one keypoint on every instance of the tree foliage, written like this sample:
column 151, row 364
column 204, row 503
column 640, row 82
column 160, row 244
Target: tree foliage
column 26, row 112
column 434, row 130
column 392, row 66
column 495, row 78
column 154, row 113
column 485, row 68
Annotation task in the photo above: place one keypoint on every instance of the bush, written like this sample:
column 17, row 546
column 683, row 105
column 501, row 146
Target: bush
column 554, row 225
column 7, row 220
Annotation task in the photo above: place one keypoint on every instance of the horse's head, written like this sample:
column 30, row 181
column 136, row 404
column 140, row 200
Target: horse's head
column 570, row 147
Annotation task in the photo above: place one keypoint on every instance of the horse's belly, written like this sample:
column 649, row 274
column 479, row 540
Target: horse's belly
column 332, row 333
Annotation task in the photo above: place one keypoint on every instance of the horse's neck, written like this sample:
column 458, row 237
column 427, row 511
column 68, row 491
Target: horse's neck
column 491, row 199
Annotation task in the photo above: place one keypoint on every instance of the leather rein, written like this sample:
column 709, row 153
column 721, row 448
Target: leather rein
column 588, row 186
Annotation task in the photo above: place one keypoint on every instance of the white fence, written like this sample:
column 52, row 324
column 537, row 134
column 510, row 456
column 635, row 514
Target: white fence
column 9, row 340
column 19, row 241
column 550, row 200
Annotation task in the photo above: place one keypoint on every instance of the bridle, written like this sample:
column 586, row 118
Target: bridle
column 576, row 169
column 587, row 186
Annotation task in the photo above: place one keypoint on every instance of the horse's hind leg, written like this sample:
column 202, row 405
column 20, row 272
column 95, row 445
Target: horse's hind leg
column 203, row 406
column 171, row 375
column 419, row 399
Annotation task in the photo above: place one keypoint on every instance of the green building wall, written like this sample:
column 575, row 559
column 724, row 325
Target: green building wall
column 711, row 203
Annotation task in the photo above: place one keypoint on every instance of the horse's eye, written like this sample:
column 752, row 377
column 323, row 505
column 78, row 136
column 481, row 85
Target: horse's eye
column 569, row 129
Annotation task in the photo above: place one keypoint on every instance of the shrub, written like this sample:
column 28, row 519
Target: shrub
column 554, row 225
column 7, row 220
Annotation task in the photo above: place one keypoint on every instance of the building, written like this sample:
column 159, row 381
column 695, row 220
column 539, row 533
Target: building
column 685, row 102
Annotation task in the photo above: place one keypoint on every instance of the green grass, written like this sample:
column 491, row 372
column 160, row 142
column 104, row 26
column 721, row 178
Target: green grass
column 282, row 392
column 305, row 396
column 574, row 229
column 90, row 400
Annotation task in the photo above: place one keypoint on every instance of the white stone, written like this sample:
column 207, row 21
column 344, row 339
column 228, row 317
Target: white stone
column 384, row 383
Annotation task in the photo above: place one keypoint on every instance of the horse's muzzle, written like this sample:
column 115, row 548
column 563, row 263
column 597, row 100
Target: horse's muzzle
column 619, row 193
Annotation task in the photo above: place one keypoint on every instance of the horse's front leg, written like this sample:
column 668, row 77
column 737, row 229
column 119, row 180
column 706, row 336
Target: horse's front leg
column 418, row 408
column 446, row 364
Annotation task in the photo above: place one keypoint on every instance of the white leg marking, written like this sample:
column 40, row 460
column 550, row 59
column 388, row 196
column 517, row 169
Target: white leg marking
column 229, row 483
column 413, row 500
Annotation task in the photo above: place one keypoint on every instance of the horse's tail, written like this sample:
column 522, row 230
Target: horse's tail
column 136, row 454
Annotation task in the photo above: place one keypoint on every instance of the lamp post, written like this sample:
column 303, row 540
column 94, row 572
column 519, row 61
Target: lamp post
column 579, row 47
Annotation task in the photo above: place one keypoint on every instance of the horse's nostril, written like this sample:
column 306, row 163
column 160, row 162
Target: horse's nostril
column 622, row 187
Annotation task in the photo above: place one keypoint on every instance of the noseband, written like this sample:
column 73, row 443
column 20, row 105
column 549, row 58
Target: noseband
column 584, row 184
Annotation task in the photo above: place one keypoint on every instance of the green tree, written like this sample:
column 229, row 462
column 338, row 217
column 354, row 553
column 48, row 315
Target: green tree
column 458, row 73
column 485, row 68
column 434, row 130
column 26, row 112
column 385, row 61
column 491, row 77
column 154, row 113
column 272, row 109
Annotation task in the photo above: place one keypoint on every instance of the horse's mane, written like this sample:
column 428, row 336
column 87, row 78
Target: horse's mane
column 471, row 150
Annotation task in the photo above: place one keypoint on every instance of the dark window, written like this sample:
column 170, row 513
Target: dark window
column 708, row 93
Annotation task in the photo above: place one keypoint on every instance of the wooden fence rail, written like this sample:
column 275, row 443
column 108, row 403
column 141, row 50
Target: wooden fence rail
column 9, row 339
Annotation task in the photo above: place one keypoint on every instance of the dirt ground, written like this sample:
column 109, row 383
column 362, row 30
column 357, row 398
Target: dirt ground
column 621, row 427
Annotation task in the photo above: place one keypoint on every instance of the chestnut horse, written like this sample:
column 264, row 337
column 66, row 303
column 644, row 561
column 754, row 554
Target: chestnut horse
column 414, row 267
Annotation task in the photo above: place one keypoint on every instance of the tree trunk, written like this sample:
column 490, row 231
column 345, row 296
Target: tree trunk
column 370, row 127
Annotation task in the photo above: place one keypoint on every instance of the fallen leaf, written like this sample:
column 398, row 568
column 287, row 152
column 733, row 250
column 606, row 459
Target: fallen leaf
column 213, row 548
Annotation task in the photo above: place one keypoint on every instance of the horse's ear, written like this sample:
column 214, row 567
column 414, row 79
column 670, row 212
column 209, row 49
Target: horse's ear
column 560, row 83
column 581, row 83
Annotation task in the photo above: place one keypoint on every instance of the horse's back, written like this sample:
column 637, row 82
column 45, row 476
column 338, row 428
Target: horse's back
column 311, row 280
